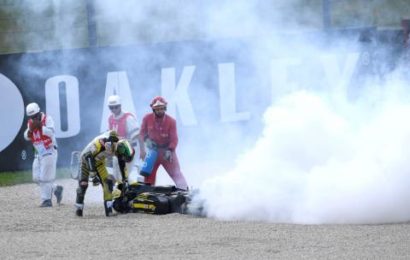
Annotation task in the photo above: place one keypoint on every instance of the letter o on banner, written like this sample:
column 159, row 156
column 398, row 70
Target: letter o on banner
column 73, row 104
column 11, row 111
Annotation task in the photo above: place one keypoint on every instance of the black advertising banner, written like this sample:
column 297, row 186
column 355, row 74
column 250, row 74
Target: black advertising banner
column 72, row 86
column 217, row 90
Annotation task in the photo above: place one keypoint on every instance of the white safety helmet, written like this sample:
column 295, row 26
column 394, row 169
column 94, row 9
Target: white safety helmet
column 114, row 100
column 32, row 109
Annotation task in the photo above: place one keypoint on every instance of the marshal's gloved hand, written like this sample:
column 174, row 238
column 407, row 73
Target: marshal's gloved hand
column 168, row 155
column 36, row 124
column 150, row 144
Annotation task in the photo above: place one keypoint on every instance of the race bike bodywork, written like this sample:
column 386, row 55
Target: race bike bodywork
column 158, row 200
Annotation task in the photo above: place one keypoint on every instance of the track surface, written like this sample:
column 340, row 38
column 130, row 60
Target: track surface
column 30, row 232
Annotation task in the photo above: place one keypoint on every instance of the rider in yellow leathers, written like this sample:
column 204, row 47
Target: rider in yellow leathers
column 93, row 165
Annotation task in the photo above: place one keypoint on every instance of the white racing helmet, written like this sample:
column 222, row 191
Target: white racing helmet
column 32, row 109
column 114, row 100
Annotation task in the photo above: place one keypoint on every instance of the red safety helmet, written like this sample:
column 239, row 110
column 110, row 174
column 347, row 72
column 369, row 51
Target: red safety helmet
column 158, row 102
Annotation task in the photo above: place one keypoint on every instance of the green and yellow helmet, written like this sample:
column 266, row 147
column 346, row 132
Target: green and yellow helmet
column 124, row 150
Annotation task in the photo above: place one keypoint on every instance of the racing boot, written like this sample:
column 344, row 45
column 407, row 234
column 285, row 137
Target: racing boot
column 59, row 194
column 79, row 201
column 79, row 209
column 108, row 208
column 46, row 204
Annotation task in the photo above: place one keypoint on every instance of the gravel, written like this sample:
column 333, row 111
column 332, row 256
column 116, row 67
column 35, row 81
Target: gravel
column 30, row 232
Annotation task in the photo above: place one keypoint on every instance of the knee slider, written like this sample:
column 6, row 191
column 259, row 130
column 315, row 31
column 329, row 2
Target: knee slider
column 83, row 185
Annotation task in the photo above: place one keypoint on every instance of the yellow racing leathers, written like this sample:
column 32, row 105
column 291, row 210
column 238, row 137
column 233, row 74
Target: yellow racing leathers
column 93, row 164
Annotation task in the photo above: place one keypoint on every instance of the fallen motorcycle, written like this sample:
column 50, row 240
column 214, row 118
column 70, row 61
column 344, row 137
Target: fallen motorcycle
column 159, row 200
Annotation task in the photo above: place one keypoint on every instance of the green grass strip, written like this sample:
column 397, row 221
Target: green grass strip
column 20, row 177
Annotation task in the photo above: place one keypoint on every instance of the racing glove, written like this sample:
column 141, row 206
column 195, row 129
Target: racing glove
column 113, row 138
column 95, row 180
column 168, row 155
column 116, row 193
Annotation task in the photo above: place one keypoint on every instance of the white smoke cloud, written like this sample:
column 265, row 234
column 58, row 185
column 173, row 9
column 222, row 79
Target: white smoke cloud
column 318, row 164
